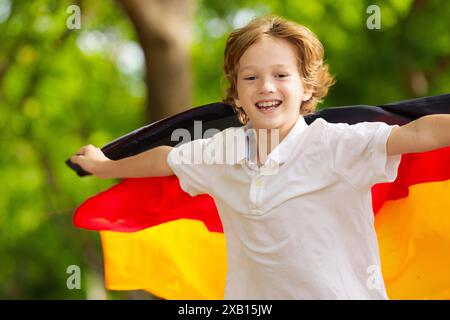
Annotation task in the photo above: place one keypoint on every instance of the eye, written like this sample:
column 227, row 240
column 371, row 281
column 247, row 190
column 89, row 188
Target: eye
column 250, row 78
column 282, row 75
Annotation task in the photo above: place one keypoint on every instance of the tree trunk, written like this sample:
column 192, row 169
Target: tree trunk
column 164, row 29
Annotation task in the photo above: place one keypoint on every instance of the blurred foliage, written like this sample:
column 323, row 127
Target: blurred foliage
column 61, row 89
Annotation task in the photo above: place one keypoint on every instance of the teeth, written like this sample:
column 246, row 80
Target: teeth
column 268, row 104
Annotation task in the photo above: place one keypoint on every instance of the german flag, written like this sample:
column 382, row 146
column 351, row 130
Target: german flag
column 158, row 238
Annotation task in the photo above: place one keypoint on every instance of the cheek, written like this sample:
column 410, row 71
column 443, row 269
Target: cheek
column 239, row 88
column 244, row 92
column 298, row 83
column 294, row 90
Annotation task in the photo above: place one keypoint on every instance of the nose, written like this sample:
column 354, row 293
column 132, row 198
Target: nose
column 267, row 85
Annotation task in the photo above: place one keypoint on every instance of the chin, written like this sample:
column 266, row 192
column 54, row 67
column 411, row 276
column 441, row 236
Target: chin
column 269, row 124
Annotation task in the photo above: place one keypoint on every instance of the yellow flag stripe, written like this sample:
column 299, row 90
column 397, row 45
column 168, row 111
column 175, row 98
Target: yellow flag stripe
column 180, row 259
column 414, row 240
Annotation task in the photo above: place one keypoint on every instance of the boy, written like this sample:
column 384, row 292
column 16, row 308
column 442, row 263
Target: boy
column 298, row 218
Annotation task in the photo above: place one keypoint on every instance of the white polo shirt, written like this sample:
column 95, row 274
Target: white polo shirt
column 305, row 230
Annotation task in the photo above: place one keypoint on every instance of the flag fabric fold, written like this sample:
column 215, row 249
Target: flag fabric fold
column 158, row 238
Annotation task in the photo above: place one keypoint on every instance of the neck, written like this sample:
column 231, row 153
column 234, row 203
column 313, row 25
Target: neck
column 269, row 140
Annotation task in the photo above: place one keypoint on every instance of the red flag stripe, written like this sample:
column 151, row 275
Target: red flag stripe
column 415, row 168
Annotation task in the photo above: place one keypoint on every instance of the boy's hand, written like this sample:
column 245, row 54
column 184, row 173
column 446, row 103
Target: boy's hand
column 92, row 160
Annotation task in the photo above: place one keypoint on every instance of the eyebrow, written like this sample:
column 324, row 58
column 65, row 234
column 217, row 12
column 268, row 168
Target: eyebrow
column 252, row 66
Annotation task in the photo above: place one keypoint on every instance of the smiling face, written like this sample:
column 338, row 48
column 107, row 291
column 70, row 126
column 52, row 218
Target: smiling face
column 269, row 86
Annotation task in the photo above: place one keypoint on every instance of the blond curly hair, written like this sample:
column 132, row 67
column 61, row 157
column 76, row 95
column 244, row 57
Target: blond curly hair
column 312, row 69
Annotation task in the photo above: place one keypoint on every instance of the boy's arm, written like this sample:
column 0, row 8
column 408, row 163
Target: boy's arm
column 151, row 163
column 424, row 134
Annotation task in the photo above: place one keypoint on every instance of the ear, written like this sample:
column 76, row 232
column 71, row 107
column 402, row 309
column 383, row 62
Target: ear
column 307, row 95
column 237, row 102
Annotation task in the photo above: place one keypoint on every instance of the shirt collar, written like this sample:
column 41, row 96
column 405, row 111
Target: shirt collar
column 280, row 154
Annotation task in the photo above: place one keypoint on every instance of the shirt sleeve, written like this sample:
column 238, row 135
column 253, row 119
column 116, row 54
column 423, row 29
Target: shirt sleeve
column 188, row 164
column 359, row 153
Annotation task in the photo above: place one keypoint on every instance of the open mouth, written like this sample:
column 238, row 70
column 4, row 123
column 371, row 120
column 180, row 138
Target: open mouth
column 267, row 106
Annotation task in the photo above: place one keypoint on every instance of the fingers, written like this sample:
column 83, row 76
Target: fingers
column 81, row 153
column 84, row 149
column 75, row 159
